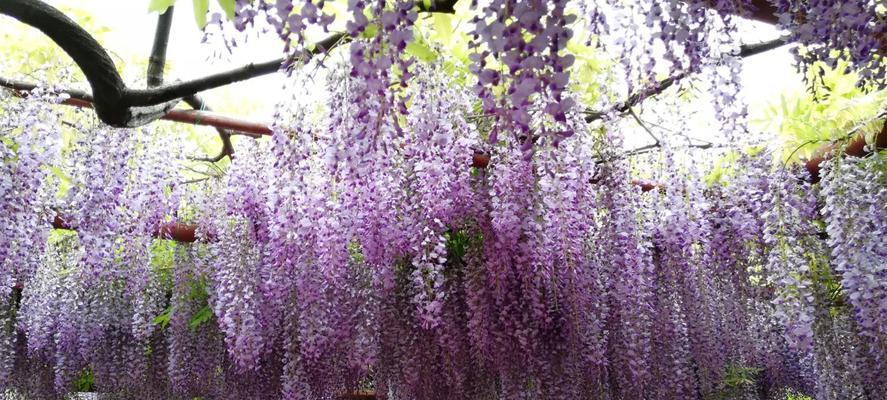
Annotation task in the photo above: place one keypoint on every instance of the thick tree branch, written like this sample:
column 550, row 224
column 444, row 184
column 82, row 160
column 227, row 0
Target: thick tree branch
column 252, row 70
column 111, row 102
column 116, row 104
column 753, row 49
column 194, row 117
column 183, row 89
column 155, row 77
column 440, row 6
column 89, row 55
column 758, row 10
column 157, row 60
column 156, row 64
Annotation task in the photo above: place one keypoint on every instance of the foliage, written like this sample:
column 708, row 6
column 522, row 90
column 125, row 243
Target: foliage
column 803, row 121
column 201, row 8
column 85, row 382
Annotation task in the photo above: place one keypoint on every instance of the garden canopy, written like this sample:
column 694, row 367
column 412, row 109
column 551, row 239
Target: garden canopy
column 500, row 199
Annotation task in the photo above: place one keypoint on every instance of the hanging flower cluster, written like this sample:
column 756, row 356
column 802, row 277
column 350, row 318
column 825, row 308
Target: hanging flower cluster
column 358, row 249
column 331, row 260
column 29, row 140
column 88, row 300
column 520, row 63
column 855, row 222
column 289, row 19
column 655, row 40
column 832, row 31
column 794, row 246
column 690, row 35
column 526, row 40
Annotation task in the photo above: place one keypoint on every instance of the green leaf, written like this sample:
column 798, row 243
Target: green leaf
column 10, row 143
column 162, row 253
column 201, row 7
column 228, row 6
column 64, row 181
column 85, row 382
column 443, row 28
column 754, row 150
column 201, row 316
column 421, row 51
column 160, row 6
column 370, row 31
column 163, row 318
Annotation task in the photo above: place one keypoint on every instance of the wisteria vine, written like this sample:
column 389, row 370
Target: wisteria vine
column 325, row 268
column 359, row 251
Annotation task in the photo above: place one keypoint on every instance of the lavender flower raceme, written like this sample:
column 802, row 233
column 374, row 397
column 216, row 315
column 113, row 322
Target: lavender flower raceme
column 429, row 230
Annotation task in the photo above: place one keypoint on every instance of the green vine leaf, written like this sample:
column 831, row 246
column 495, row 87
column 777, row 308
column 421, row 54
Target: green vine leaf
column 163, row 318
column 201, row 316
column 201, row 7
column 64, row 181
column 85, row 382
column 421, row 51
column 160, row 6
column 228, row 7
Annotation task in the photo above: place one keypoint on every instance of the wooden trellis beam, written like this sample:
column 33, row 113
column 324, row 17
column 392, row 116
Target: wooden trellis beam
column 193, row 117
column 855, row 148
column 171, row 230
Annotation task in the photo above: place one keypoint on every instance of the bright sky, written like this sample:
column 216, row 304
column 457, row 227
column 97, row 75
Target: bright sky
column 131, row 31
